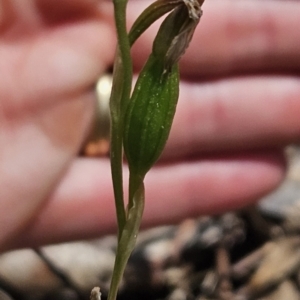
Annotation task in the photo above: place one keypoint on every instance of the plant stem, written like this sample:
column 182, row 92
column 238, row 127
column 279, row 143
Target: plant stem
column 124, row 50
column 128, row 238
column 116, row 152
column 119, row 98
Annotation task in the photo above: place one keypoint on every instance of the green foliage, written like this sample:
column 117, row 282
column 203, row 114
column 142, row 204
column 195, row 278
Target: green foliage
column 141, row 123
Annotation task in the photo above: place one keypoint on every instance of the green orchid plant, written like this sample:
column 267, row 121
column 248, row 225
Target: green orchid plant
column 141, row 119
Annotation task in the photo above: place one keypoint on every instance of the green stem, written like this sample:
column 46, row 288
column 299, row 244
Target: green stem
column 116, row 142
column 135, row 181
column 119, row 98
column 124, row 48
column 128, row 238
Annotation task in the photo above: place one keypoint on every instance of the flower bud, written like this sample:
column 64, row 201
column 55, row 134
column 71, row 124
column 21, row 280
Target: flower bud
column 151, row 109
column 149, row 115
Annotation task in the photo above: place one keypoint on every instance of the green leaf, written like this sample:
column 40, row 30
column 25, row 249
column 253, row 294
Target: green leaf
column 152, row 13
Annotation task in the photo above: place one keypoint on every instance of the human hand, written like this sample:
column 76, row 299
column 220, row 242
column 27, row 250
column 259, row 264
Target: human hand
column 225, row 150
column 52, row 53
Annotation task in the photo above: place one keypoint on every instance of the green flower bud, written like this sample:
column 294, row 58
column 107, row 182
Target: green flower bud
column 151, row 109
column 149, row 115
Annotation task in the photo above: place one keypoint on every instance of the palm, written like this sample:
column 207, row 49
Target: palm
column 50, row 58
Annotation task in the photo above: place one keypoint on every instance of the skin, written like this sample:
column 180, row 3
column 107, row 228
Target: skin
column 239, row 107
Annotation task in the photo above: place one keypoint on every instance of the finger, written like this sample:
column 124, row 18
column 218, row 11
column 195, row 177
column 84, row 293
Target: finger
column 47, row 102
column 237, row 36
column 83, row 205
column 51, row 62
column 26, row 15
column 235, row 113
column 57, row 11
column 35, row 152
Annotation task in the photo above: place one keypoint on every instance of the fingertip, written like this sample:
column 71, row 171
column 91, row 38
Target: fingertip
column 211, row 186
